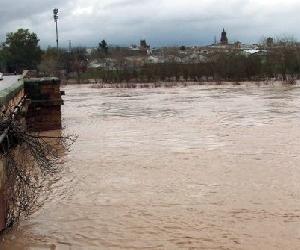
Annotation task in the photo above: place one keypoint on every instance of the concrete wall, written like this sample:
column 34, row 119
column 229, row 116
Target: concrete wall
column 9, row 91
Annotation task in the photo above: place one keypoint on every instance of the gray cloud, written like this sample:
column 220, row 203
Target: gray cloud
column 125, row 3
column 25, row 9
column 162, row 22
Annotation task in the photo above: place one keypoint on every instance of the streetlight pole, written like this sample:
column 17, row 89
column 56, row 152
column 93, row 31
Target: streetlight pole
column 55, row 16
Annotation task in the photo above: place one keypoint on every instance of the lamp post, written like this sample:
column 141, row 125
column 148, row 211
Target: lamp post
column 55, row 16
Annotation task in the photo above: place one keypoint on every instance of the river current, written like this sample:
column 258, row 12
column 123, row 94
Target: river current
column 200, row 167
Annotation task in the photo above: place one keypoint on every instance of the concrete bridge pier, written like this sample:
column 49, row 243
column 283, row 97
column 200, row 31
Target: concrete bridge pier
column 44, row 109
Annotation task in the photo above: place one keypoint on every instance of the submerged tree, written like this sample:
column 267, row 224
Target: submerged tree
column 32, row 165
column 284, row 59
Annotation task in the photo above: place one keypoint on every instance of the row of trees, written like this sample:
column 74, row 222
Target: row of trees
column 280, row 63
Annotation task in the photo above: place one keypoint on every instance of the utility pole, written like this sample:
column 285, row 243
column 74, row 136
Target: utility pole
column 55, row 16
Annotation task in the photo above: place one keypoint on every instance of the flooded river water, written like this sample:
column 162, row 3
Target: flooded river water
column 203, row 167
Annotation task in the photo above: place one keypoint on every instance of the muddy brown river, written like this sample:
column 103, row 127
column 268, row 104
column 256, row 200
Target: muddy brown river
column 202, row 167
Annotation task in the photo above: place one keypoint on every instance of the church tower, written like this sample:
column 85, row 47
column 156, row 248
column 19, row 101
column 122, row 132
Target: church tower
column 224, row 39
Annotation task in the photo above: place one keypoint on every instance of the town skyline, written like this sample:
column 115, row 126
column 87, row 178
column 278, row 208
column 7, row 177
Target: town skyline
column 161, row 23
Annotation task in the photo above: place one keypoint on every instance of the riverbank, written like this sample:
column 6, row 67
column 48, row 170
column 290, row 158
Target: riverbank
column 169, row 84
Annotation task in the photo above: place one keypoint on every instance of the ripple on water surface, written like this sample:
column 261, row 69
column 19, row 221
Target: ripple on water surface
column 205, row 167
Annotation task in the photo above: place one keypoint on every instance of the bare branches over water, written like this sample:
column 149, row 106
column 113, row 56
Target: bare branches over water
column 33, row 163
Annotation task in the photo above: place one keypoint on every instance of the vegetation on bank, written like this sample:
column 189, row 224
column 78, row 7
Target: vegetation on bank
column 21, row 51
column 282, row 63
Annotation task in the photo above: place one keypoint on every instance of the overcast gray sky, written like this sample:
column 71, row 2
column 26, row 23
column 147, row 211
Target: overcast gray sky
column 161, row 22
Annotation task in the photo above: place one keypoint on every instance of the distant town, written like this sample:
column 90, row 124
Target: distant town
column 144, row 53
column 275, row 59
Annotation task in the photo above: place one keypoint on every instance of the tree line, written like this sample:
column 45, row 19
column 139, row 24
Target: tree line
column 21, row 51
column 281, row 63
